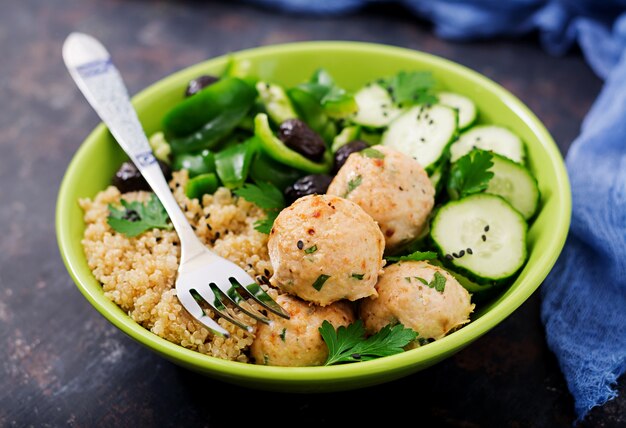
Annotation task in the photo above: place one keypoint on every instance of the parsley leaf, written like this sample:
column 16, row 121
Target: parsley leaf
column 408, row 88
column 415, row 257
column 265, row 196
column 349, row 344
column 470, row 174
column 135, row 218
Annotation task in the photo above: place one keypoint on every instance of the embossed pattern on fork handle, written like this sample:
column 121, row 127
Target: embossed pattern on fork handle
column 91, row 67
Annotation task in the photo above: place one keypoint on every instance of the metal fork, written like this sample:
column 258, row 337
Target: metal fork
column 220, row 283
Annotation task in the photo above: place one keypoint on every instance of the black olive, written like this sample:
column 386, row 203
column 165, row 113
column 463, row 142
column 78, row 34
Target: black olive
column 199, row 83
column 342, row 153
column 299, row 137
column 128, row 178
column 307, row 185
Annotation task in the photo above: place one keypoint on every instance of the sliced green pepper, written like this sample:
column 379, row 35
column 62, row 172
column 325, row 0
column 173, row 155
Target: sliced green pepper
column 347, row 134
column 278, row 151
column 233, row 163
column 195, row 163
column 240, row 68
column 308, row 108
column 265, row 169
column 276, row 102
column 201, row 185
column 193, row 114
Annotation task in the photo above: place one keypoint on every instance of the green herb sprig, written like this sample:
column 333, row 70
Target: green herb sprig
column 470, row 174
column 267, row 197
column 135, row 218
column 409, row 88
column 349, row 344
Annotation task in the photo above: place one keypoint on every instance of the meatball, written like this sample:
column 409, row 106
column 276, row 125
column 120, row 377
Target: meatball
column 411, row 293
column 297, row 341
column 324, row 248
column 390, row 186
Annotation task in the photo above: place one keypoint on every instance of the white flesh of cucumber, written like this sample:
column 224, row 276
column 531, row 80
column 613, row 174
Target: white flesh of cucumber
column 376, row 107
column 461, row 224
column 514, row 183
column 465, row 106
column 497, row 139
column 422, row 132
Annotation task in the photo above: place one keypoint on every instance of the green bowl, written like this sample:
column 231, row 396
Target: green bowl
column 352, row 64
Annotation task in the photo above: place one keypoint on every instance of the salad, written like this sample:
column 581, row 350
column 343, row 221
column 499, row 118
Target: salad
column 383, row 216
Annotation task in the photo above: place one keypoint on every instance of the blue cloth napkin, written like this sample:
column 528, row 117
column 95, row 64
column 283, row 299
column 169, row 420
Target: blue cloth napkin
column 584, row 297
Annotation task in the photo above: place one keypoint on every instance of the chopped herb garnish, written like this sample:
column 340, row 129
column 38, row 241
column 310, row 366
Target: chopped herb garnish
column 353, row 184
column 283, row 333
column 438, row 282
column 319, row 282
column 358, row 276
column 349, row 344
column 136, row 217
column 372, row 153
column 415, row 257
column 407, row 278
column 422, row 280
column 265, row 196
column 311, row 249
column 470, row 174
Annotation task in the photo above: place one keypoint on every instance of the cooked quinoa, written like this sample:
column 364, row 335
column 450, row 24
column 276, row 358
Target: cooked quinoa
column 138, row 273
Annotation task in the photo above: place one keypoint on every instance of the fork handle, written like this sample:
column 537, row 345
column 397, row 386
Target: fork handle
column 91, row 67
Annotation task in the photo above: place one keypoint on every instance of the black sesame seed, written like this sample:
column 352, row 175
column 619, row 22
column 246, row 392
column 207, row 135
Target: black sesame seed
column 209, row 226
column 461, row 253
column 430, row 122
column 456, row 255
column 487, row 228
column 300, row 245
column 484, row 238
column 207, row 216
column 448, row 256
column 217, row 235
column 356, row 356
column 469, row 251
column 266, row 272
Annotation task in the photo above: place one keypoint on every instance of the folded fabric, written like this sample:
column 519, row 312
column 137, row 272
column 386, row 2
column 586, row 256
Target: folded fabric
column 584, row 297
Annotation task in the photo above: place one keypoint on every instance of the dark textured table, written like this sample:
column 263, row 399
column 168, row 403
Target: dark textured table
column 61, row 363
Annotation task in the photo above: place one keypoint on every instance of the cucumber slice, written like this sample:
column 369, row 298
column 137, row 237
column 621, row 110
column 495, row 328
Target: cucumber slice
column 482, row 236
column 423, row 132
column 514, row 183
column 497, row 139
column 376, row 107
column 465, row 107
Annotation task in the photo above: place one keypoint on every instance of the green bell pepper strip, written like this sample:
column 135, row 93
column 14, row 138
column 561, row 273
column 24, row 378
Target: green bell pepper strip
column 278, row 151
column 195, row 163
column 241, row 68
column 201, row 185
column 211, row 134
column 229, row 94
column 308, row 108
column 347, row 134
column 277, row 104
column 265, row 169
column 233, row 163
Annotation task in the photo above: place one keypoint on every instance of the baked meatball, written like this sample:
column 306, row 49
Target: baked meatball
column 297, row 341
column 390, row 186
column 420, row 296
column 324, row 248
